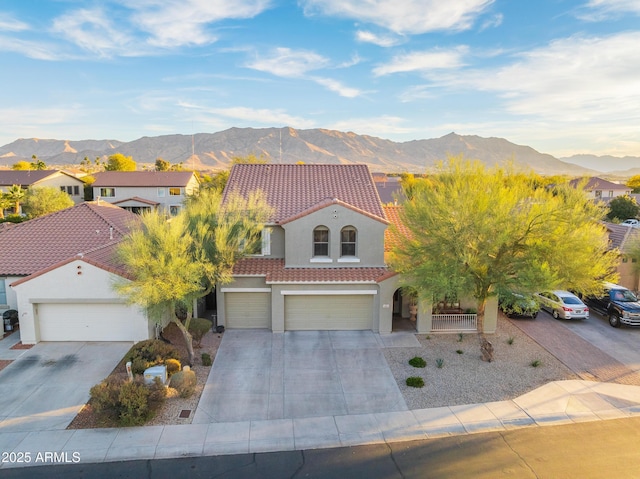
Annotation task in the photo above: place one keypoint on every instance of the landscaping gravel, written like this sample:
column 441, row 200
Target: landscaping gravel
column 466, row 379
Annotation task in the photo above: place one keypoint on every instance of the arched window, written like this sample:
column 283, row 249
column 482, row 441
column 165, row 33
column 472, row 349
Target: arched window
column 348, row 241
column 321, row 241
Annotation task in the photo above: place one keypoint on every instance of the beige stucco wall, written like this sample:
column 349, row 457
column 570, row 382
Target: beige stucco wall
column 61, row 179
column 629, row 276
column 299, row 238
column 75, row 282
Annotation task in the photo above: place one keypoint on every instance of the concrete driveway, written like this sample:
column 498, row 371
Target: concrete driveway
column 45, row 386
column 261, row 375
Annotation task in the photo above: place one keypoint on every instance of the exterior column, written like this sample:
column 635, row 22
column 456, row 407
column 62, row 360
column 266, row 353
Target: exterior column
column 425, row 316
column 491, row 315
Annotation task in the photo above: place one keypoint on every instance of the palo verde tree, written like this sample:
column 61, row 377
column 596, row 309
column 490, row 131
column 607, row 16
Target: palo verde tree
column 43, row 200
column 172, row 263
column 479, row 232
column 119, row 162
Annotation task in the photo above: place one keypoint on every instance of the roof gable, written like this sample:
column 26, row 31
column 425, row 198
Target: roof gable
column 41, row 242
column 26, row 178
column 293, row 189
column 595, row 183
column 144, row 179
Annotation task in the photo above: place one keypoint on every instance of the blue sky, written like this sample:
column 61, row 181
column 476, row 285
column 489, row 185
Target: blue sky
column 562, row 76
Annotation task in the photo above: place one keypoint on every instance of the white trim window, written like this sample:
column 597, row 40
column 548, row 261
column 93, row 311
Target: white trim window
column 348, row 236
column 107, row 192
column 321, row 241
column 161, row 192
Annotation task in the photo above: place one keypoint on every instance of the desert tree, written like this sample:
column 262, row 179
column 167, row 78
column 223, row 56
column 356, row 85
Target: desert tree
column 43, row 200
column 173, row 262
column 622, row 208
column 480, row 232
column 16, row 194
column 120, row 162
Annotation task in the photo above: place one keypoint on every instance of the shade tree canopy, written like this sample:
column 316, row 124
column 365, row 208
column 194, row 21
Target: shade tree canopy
column 479, row 232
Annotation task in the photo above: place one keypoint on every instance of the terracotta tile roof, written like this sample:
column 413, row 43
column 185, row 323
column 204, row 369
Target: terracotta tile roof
column 595, row 183
column 41, row 242
column 621, row 235
column 274, row 271
column 397, row 230
column 138, row 200
column 142, row 178
column 292, row 189
column 328, row 202
column 23, row 177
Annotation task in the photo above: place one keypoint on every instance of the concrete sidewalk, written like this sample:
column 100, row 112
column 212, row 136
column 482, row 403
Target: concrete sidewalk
column 556, row 403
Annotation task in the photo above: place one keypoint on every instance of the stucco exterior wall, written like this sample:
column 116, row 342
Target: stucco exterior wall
column 60, row 179
column 75, row 282
column 12, row 300
column 158, row 194
column 629, row 276
column 299, row 239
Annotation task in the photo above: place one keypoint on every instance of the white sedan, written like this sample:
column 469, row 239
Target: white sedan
column 563, row 304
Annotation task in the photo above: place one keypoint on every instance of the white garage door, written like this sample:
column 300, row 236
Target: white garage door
column 247, row 310
column 87, row 322
column 332, row 312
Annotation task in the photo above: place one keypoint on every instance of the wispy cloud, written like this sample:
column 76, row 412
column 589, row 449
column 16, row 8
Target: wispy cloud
column 436, row 59
column 174, row 23
column 10, row 24
column 403, row 16
column 598, row 10
column 263, row 116
column 337, row 87
column 382, row 126
column 32, row 49
column 385, row 41
column 492, row 22
column 94, row 31
column 285, row 62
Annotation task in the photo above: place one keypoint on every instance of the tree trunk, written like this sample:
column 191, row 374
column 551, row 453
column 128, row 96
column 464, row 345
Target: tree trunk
column 486, row 348
column 188, row 340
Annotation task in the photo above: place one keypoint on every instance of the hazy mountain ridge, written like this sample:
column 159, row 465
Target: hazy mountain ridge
column 614, row 165
column 288, row 145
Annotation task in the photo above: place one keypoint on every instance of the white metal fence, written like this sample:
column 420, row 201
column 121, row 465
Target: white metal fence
column 454, row 323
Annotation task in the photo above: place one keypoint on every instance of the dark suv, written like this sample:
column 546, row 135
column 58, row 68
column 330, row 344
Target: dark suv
column 618, row 303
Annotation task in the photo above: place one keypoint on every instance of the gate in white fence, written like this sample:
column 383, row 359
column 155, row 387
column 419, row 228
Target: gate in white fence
column 454, row 323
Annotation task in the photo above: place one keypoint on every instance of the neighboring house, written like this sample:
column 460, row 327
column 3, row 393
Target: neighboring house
column 71, row 185
column 389, row 188
column 58, row 270
column 139, row 191
column 599, row 189
column 622, row 237
column 322, row 263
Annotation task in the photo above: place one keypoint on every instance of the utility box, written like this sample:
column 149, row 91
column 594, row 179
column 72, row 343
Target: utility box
column 150, row 374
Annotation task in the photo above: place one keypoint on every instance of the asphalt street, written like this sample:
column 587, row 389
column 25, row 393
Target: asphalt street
column 601, row 449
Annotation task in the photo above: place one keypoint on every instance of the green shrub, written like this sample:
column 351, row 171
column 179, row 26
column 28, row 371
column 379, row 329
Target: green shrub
column 134, row 403
column 460, row 337
column 418, row 362
column 173, row 366
column 206, row 359
column 104, row 396
column 184, row 382
column 198, row 327
column 149, row 353
column 459, row 351
column 510, row 340
column 535, row 363
column 415, row 382
column 439, row 363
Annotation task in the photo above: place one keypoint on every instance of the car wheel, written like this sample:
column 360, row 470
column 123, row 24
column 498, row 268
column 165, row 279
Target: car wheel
column 614, row 320
column 555, row 314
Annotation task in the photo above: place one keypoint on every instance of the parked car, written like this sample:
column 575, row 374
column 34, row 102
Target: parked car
column 563, row 304
column 516, row 305
column 619, row 304
column 631, row 222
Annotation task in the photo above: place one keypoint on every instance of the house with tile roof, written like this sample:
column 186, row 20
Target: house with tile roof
column 71, row 185
column 58, row 270
column 623, row 237
column 139, row 191
column 322, row 263
column 601, row 189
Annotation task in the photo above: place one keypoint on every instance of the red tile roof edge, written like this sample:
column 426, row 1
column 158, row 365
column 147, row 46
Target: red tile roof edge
column 328, row 202
column 136, row 198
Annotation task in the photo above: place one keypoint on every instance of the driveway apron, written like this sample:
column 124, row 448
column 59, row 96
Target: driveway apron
column 46, row 386
column 259, row 375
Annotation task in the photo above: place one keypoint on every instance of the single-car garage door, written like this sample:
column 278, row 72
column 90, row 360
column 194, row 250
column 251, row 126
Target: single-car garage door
column 328, row 312
column 247, row 310
column 88, row 322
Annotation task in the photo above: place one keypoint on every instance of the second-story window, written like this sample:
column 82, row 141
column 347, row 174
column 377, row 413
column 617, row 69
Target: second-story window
column 348, row 241
column 321, row 241
column 175, row 191
column 108, row 192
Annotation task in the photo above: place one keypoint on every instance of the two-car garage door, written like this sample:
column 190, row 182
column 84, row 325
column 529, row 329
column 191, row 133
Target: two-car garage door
column 328, row 312
column 89, row 322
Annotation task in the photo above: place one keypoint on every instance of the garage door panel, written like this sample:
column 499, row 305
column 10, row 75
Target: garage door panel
column 87, row 322
column 328, row 312
column 247, row 310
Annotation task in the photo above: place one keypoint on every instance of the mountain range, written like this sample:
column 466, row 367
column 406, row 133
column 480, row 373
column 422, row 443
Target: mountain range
column 210, row 151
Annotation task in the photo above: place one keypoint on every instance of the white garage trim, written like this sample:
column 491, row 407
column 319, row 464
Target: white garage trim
column 328, row 292
column 75, row 301
column 89, row 321
column 333, row 312
column 245, row 290
column 247, row 310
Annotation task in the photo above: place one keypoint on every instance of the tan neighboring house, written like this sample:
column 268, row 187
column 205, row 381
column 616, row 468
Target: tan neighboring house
column 322, row 262
column 71, row 185
column 57, row 271
column 600, row 189
column 622, row 237
column 139, row 191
